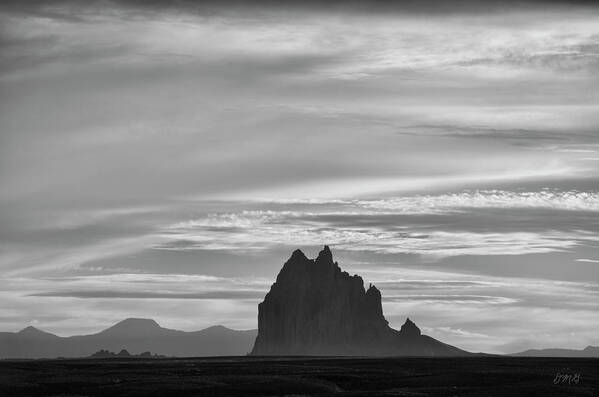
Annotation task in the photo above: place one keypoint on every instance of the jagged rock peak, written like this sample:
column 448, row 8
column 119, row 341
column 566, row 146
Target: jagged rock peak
column 299, row 267
column 325, row 256
column 298, row 254
column 409, row 329
column 314, row 307
column 373, row 291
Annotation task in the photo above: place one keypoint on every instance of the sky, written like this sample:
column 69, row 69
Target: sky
column 164, row 159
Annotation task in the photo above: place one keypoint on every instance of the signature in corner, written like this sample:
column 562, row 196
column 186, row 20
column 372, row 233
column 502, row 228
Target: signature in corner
column 562, row 378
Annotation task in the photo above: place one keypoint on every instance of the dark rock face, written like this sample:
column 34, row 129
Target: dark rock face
column 314, row 308
column 409, row 329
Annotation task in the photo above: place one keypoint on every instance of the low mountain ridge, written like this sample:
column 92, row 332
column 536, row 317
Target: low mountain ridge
column 34, row 333
column 133, row 334
column 589, row 351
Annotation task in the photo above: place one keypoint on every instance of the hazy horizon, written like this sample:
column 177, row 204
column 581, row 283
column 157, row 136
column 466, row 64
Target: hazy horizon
column 163, row 161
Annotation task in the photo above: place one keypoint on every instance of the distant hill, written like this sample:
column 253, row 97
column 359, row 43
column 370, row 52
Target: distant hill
column 136, row 335
column 314, row 308
column 589, row 351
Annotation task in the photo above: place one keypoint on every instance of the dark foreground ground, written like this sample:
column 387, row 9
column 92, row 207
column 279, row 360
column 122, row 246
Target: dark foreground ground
column 241, row 376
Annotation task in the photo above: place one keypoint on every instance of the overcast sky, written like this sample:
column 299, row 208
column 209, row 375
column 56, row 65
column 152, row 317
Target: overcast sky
column 163, row 161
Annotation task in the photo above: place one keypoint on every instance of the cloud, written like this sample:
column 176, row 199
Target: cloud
column 227, row 77
column 469, row 299
column 374, row 225
column 83, row 304
column 257, row 230
column 556, row 200
column 457, row 332
column 112, row 294
column 64, row 8
column 580, row 55
column 57, row 258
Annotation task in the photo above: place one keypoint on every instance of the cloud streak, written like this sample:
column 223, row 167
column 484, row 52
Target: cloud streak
column 556, row 200
column 360, row 225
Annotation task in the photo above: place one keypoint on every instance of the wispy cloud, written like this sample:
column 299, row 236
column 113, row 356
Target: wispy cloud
column 362, row 225
column 112, row 294
column 267, row 235
column 470, row 299
column 455, row 202
column 557, row 200
column 93, row 302
column 146, row 286
column 57, row 258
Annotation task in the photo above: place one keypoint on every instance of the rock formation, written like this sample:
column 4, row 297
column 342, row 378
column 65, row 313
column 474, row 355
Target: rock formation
column 314, row 308
column 103, row 353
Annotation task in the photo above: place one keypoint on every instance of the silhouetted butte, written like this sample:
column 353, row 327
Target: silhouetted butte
column 314, row 308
